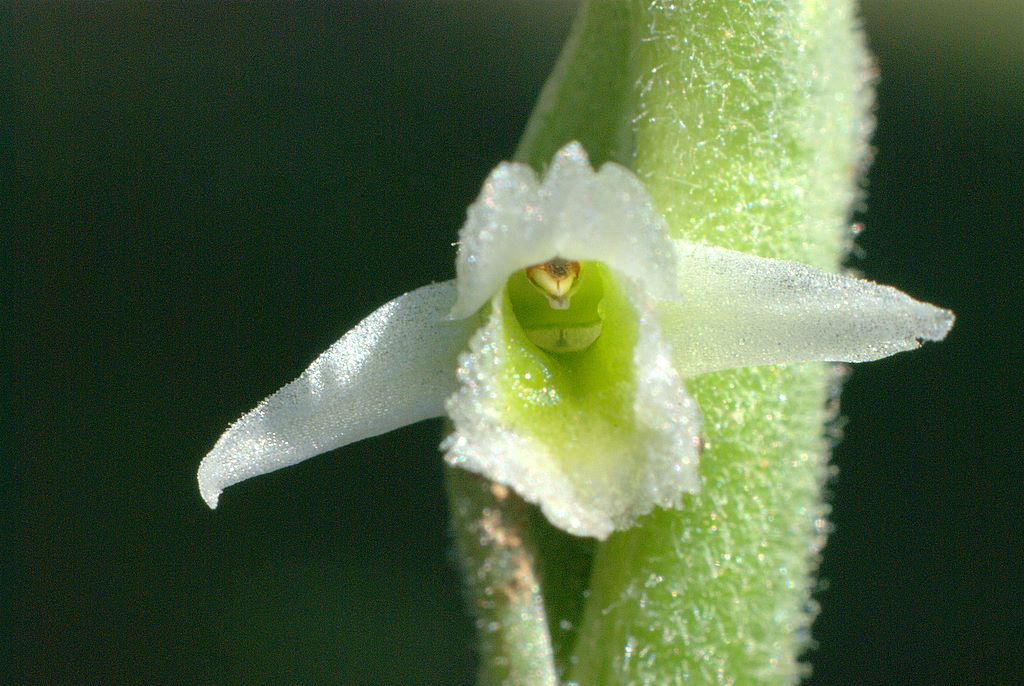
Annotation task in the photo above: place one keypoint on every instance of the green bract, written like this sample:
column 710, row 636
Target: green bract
column 578, row 405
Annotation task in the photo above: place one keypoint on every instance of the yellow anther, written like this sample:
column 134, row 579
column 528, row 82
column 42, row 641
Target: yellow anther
column 556, row 278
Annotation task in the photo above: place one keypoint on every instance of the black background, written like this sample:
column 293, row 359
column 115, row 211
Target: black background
column 200, row 200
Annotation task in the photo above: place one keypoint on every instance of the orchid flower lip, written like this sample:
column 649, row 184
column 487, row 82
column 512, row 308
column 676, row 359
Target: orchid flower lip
column 601, row 436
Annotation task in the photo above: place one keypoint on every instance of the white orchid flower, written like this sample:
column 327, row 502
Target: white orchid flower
column 560, row 349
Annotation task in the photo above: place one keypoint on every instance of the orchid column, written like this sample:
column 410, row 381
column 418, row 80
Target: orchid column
column 748, row 122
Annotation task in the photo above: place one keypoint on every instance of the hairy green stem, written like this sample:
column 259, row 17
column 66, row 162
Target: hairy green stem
column 750, row 128
column 748, row 122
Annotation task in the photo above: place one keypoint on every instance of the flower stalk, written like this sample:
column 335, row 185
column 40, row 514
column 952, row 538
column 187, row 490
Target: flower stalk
column 501, row 573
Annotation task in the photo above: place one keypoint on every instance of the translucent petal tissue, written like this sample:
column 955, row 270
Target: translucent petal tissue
column 396, row 367
column 738, row 310
column 576, row 213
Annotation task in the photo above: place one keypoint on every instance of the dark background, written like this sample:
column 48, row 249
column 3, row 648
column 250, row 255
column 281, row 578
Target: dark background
column 198, row 201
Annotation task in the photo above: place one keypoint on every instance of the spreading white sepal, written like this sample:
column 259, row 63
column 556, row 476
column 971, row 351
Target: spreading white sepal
column 738, row 310
column 583, row 485
column 394, row 368
column 575, row 213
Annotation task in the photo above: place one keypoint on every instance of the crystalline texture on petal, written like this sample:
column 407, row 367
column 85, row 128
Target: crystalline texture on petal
column 394, row 368
column 738, row 310
column 591, row 472
column 575, row 213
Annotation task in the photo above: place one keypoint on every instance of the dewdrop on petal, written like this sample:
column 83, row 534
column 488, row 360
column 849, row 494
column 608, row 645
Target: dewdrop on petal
column 560, row 350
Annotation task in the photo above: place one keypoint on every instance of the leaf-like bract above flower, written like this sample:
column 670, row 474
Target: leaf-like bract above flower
column 574, row 397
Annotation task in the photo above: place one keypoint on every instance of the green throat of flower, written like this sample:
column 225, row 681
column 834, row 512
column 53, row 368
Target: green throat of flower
column 558, row 304
column 570, row 362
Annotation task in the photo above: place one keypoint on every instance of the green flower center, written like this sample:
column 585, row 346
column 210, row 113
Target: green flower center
column 569, row 372
column 558, row 304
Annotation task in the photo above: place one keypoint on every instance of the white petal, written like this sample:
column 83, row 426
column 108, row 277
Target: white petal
column 394, row 368
column 595, row 474
column 738, row 310
column 576, row 213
